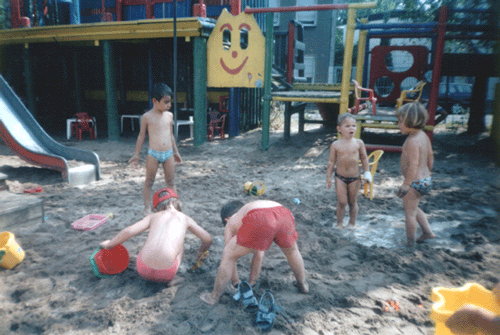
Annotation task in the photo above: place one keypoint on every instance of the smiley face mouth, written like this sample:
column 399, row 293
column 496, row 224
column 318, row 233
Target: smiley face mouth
column 233, row 71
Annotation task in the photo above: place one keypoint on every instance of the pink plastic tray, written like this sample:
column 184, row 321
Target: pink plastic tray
column 89, row 222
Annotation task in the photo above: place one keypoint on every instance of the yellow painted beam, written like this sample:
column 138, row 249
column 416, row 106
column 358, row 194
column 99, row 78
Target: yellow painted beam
column 124, row 30
column 360, row 60
column 389, row 126
column 347, row 64
column 363, row 5
column 317, row 87
column 302, row 99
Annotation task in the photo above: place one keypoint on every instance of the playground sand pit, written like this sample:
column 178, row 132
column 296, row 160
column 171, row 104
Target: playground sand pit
column 362, row 280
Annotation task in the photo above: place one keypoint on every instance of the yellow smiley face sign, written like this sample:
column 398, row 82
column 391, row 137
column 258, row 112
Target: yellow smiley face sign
column 235, row 52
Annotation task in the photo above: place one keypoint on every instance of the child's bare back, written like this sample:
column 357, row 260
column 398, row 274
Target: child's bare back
column 417, row 144
column 165, row 240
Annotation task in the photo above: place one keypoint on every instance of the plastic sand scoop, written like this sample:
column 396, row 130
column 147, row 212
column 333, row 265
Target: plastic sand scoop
column 448, row 300
column 107, row 262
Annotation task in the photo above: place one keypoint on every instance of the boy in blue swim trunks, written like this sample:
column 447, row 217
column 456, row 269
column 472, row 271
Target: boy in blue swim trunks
column 416, row 165
column 158, row 124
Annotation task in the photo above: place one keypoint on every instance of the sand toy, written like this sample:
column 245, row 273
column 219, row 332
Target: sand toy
column 11, row 253
column 108, row 262
column 448, row 300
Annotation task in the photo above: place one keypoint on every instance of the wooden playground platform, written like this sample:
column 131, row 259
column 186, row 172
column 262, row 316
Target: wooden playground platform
column 17, row 210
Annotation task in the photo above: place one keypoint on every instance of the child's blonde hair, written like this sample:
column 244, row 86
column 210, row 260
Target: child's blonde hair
column 176, row 203
column 164, row 198
column 413, row 115
column 344, row 116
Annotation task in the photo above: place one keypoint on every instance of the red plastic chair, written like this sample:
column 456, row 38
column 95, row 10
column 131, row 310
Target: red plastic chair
column 83, row 122
column 358, row 90
column 216, row 121
column 223, row 101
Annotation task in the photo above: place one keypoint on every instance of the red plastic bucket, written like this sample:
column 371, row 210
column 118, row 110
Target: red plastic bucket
column 111, row 261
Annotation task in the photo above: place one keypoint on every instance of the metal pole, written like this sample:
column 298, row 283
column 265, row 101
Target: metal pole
column 267, row 81
column 175, row 69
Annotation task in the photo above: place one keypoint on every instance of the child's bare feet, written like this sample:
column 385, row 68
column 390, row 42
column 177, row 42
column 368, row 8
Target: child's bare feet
column 339, row 226
column 303, row 287
column 206, row 297
column 425, row 236
column 231, row 290
column 351, row 225
column 175, row 281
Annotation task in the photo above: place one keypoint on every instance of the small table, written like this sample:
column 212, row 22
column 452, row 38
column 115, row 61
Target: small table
column 131, row 117
column 70, row 121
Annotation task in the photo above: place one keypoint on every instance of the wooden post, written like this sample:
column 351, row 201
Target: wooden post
column 78, row 94
column 111, row 99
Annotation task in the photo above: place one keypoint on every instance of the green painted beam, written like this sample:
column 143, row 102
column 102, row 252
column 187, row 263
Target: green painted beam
column 111, row 99
column 200, row 89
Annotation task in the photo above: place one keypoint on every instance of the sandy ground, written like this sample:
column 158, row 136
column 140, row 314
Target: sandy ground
column 352, row 273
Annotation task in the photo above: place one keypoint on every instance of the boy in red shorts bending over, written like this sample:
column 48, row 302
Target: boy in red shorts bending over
column 252, row 228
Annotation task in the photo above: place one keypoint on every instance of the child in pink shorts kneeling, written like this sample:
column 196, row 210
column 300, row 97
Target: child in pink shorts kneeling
column 161, row 255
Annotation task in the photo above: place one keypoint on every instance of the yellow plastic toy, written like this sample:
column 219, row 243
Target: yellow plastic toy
column 252, row 189
column 412, row 95
column 448, row 300
column 11, row 253
column 372, row 162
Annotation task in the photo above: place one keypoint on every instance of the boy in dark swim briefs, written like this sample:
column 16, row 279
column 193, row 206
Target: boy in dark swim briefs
column 345, row 154
column 252, row 228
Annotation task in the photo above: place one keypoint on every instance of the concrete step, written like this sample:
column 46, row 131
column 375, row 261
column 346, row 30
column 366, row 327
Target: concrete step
column 81, row 175
column 3, row 183
column 18, row 211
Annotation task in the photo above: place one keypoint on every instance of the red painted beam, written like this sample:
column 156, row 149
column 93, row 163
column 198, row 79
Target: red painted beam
column 294, row 9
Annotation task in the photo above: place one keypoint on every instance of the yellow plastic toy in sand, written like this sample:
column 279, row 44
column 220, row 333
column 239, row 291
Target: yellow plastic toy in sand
column 373, row 163
column 448, row 300
column 11, row 253
column 252, row 189
column 198, row 264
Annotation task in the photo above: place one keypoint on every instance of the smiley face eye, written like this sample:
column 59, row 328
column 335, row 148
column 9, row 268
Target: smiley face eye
column 226, row 39
column 244, row 38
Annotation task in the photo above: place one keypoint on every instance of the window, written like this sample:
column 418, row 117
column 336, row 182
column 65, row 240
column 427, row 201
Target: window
column 275, row 3
column 310, row 68
column 307, row 18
